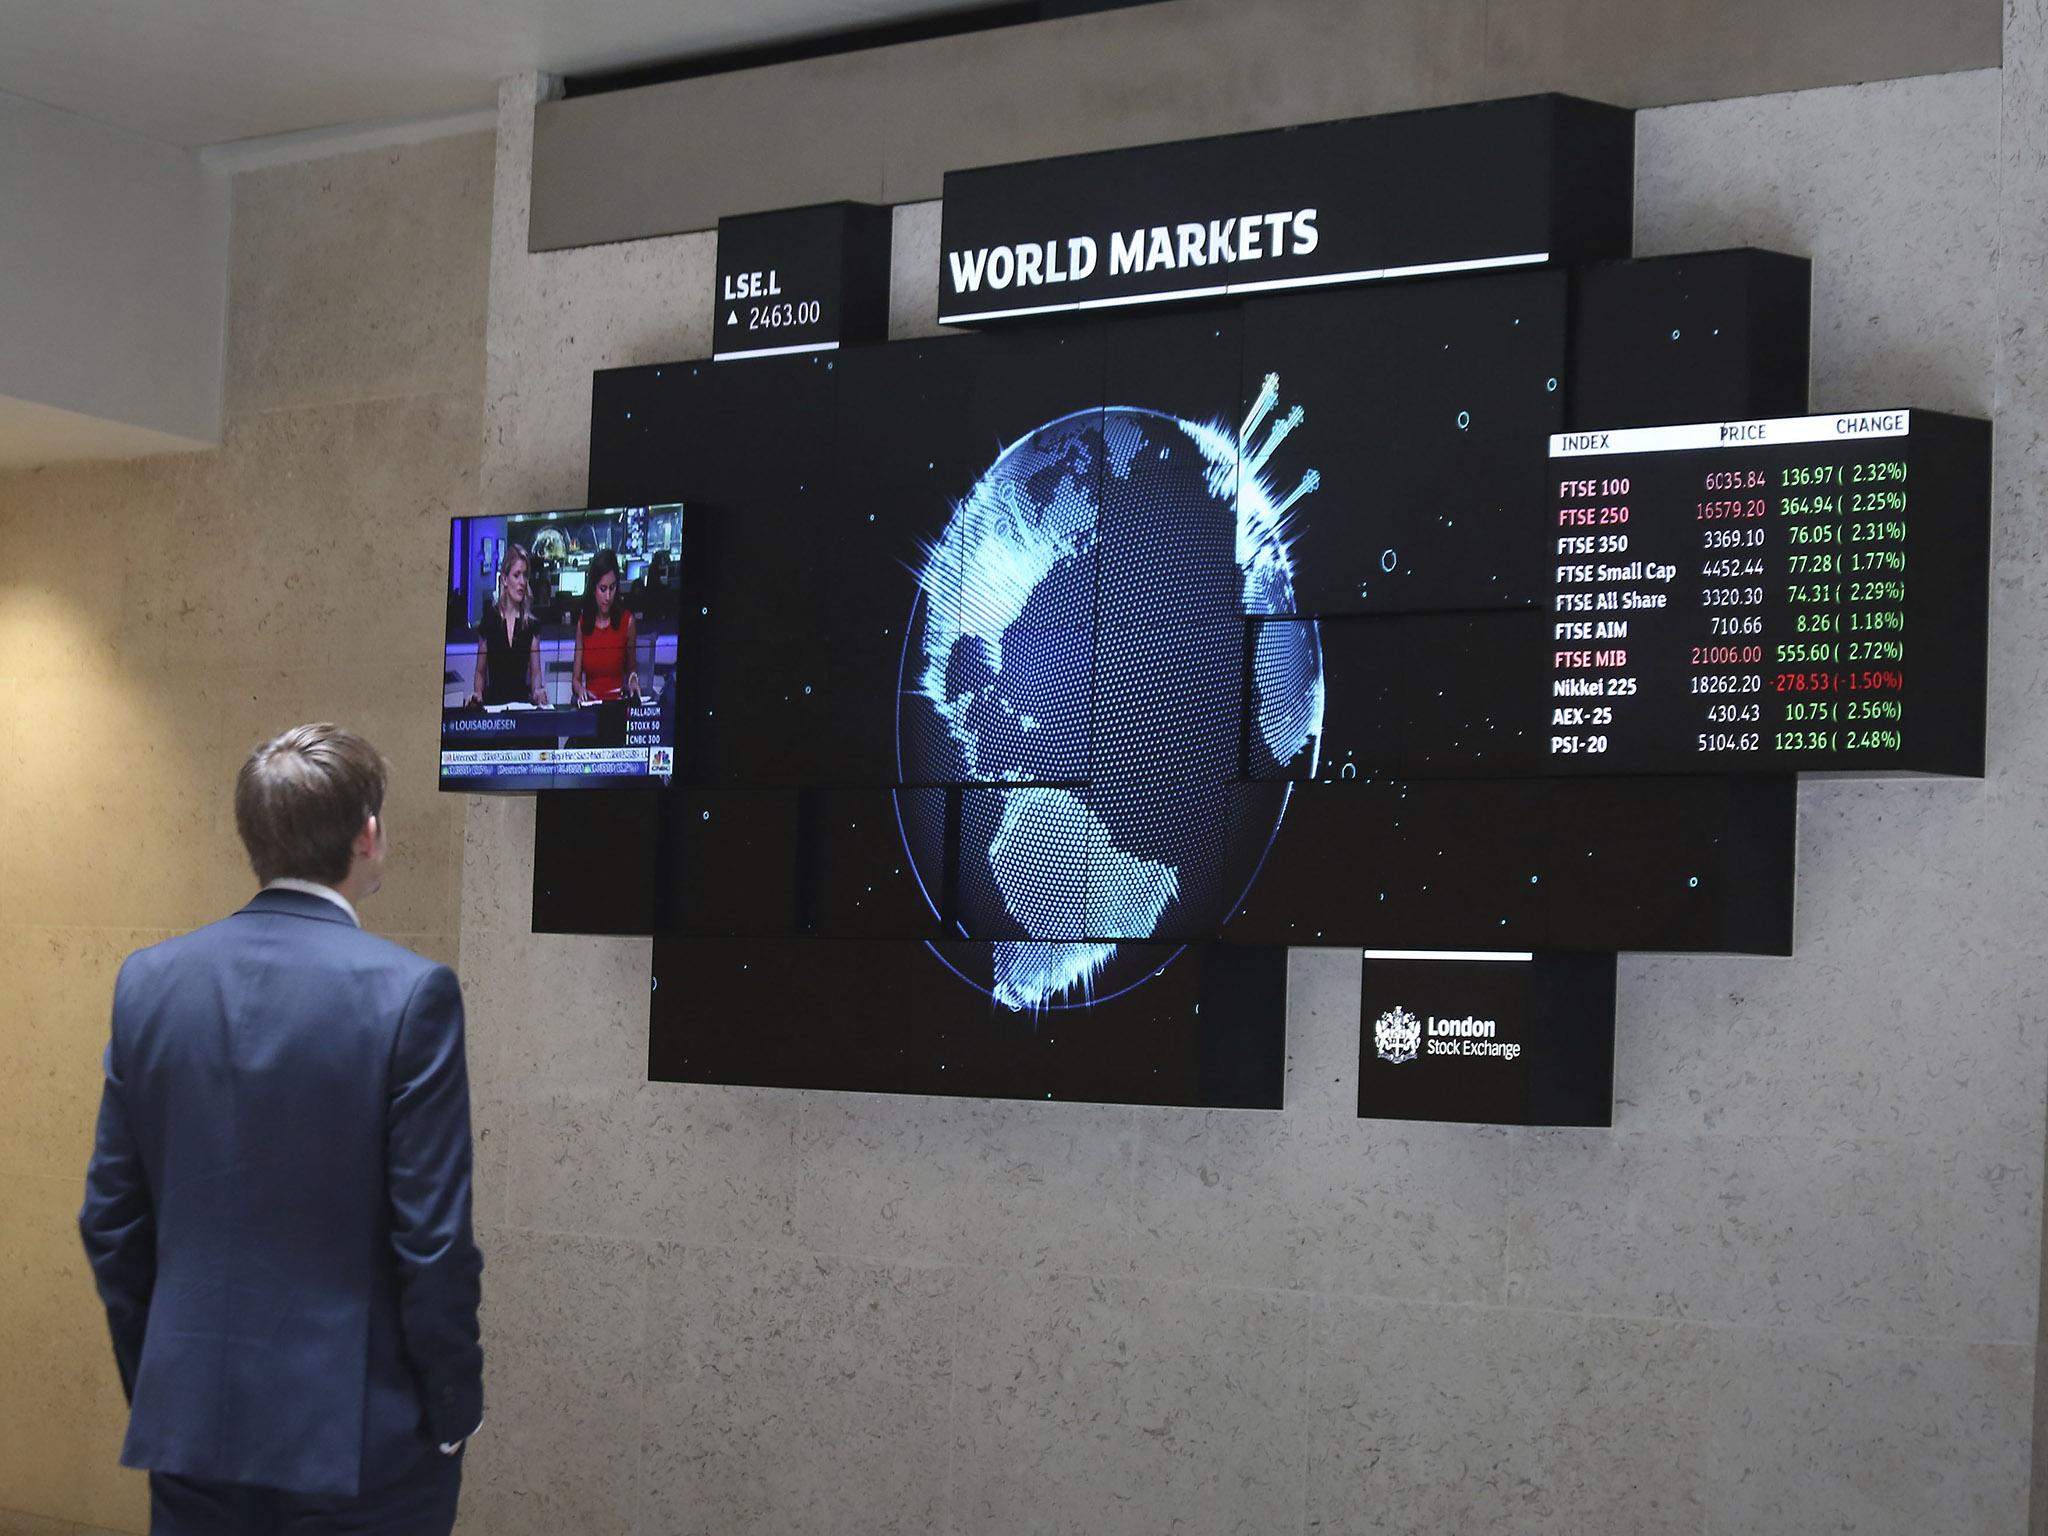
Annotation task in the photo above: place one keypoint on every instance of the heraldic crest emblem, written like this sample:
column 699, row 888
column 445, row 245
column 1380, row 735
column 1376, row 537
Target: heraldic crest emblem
column 1397, row 1035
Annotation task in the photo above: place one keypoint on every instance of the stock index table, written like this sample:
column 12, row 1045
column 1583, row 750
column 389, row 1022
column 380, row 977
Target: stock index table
column 1801, row 594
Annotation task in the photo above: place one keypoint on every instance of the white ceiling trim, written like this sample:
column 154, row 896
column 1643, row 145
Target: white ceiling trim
column 33, row 434
column 239, row 155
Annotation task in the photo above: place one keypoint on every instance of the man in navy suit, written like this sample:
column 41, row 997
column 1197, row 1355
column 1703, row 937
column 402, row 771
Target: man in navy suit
column 278, row 1209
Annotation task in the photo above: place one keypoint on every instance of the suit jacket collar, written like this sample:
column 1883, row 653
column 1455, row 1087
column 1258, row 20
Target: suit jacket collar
column 298, row 904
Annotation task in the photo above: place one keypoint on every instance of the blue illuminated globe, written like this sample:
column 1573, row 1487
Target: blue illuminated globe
column 1081, row 636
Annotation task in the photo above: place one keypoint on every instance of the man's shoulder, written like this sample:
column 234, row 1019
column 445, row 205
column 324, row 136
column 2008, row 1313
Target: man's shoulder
column 165, row 954
column 373, row 950
column 311, row 968
column 363, row 950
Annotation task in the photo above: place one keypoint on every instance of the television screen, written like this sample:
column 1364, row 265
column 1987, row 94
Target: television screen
column 559, row 661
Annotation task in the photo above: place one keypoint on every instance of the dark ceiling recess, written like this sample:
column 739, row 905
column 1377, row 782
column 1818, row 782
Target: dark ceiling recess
column 984, row 18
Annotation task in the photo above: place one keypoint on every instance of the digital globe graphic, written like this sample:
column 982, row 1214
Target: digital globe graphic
column 1081, row 635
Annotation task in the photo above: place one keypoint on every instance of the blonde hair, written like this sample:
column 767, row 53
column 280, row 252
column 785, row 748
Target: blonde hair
column 514, row 552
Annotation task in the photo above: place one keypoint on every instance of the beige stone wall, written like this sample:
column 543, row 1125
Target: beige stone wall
column 157, row 619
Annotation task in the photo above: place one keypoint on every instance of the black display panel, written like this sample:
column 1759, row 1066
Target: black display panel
column 1418, row 696
column 762, row 432
column 761, row 685
column 832, row 862
column 801, row 280
column 729, row 860
column 1669, row 865
column 559, row 657
column 1689, row 338
column 1394, row 431
column 1452, row 189
column 1662, row 864
column 1011, row 663
column 595, row 859
column 1384, row 509
column 1200, row 1024
column 1057, row 572
column 1804, row 593
column 1487, row 1038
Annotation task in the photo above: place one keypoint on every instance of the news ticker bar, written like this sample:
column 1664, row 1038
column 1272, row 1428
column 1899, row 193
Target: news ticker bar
column 617, row 762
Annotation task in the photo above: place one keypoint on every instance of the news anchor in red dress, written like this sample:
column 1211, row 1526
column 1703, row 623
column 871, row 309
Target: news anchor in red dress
column 278, row 1208
column 604, row 667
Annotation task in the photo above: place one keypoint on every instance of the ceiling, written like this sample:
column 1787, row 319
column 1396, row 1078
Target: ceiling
column 198, row 72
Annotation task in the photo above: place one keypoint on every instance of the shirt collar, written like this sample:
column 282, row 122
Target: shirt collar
column 315, row 888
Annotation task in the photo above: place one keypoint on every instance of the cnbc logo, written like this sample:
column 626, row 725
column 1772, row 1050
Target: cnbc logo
column 1397, row 1035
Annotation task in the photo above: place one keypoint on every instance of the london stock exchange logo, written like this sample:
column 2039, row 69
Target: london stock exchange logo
column 1397, row 1035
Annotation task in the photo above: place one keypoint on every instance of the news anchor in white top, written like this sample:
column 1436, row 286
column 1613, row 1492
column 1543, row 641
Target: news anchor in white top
column 278, row 1207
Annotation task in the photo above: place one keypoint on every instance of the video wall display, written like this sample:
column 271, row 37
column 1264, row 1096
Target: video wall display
column 1022, row 696
column 1034, row 653
column 559, row 660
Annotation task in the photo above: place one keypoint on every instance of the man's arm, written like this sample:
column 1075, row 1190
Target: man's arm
column 427, row 1160
column 118, row 1222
